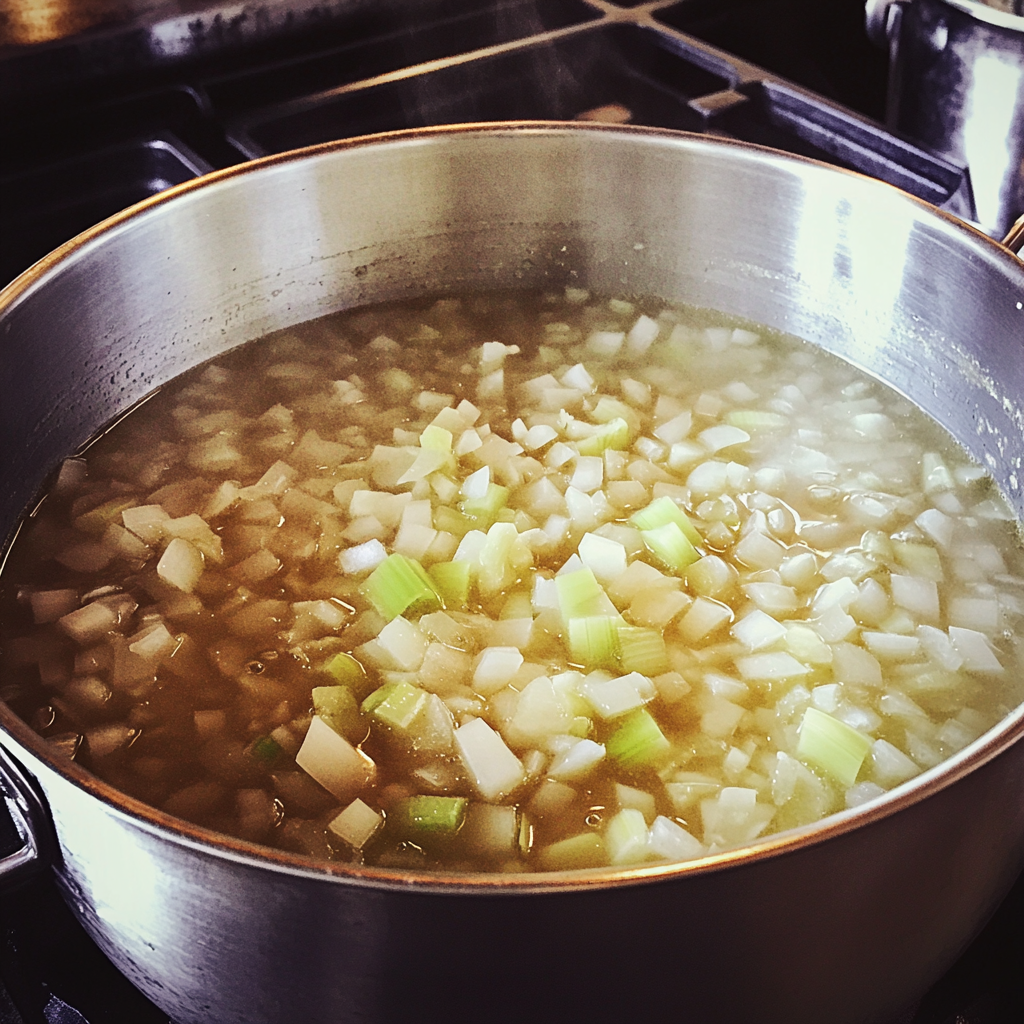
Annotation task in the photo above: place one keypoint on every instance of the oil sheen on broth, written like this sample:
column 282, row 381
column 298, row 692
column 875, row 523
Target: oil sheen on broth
column 514, row 583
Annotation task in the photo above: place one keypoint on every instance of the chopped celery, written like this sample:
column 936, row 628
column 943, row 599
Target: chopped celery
column 451, row 580
column 638, row 742
column 495, row 571
column 832, row 746
column 338, row 708
column 662, row 511
column 670, row 546
column 437, row 439
column 609, row 409
column 579, row 594
column 594, row 640
column 396, row 704
column 347, row 671
column 614, row 434
column 920, row 559
column 582, row 851
column 452, row 521
column 487, row 507
column 642, row 650
column 431, row 730
column 266, row 749
column 400, row 584
column 626, row 838
column 378, row 696
column 753, row 420
column 426, row 819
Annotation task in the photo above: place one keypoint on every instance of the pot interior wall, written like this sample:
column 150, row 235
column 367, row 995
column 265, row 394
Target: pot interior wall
column 841, row 260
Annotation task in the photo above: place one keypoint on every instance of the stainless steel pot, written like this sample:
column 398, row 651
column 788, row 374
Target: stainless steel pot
column 956, row 84
column 847, row 921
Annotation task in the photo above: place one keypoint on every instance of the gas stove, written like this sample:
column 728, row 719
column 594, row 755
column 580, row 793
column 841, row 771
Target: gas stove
column 105, row 110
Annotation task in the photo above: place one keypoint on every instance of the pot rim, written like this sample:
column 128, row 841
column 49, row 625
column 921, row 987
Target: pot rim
column 153, row 820
column 982, row 11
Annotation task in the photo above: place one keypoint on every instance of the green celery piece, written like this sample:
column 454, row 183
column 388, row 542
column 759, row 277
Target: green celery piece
column 398, row 706
column 266, row 749
column 583, row 851
column 832, row 746
column 452, row 521
column 625, row 837
column 495, row 572
column 608, row 409
column 399, row 585
column 642, row 650
column 754, row 420
column 594, row 640
column 428, row 818
column 487, row 507
column 579, row 594
column 338, row 708
column 437, row 439
column 613, row 434
column 670, row 547
column 638, row 742
column 347, row 671
column 920, row 559
column 452, row 581
column 664, row 510
column 378, row 696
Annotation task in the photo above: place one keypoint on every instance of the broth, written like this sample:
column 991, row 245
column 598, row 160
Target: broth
column 512, row 583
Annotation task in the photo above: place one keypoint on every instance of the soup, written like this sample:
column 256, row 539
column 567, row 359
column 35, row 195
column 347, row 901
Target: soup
column 515, row 583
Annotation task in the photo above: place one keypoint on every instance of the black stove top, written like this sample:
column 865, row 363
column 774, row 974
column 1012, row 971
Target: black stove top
column 94, row 122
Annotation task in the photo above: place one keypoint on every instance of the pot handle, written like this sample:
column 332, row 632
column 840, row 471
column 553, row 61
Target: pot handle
column 880, row 20
column 1014, row 240
column 29, row 821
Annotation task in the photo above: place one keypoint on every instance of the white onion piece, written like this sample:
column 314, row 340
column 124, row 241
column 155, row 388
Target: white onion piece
column 356, row 824
column 722, row 436
column 769, row 666
column 974, row 648
column 605, row 558
column 181, row 565
column 579, row 759
column 611, row 698
column 328, row 757
column 734, row 817
column 605, row 343
column 494, row 770
column 495, row 668
column 757, row 629
column 980, row 614
column 642, row 335
column 937, row 526
column 919, row 596
column 363, row 557
column 671, row 841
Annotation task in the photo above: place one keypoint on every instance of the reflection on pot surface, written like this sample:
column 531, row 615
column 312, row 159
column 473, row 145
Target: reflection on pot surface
column 956, row 84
